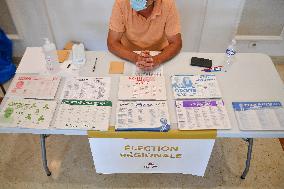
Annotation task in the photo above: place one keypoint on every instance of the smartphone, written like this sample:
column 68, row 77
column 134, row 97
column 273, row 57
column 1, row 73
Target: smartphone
column 201, row 62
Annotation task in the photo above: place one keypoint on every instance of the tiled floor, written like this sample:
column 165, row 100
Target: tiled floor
column 71, row 164
column 72, row 167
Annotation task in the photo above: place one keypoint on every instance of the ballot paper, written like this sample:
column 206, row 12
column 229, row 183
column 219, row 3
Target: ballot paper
column 259, row 115
column 142, row 88
column 83, row 115
column 195, row 87
column 34, row 86
column 27, row 113
column 159, row 71
column 202, row 114
column 142, row 116
column 87, row 88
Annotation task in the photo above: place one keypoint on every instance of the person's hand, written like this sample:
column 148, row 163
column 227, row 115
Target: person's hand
column 156, row 61
column 145, row 61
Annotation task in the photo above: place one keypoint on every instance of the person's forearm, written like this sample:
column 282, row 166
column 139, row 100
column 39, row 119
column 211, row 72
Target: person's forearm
column 119, row 50
column 168, row 53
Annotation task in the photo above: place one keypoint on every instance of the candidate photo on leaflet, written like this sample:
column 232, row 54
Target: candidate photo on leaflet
column 145, row 25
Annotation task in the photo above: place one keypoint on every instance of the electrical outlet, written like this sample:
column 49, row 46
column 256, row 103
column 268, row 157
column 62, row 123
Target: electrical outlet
column 252, row 44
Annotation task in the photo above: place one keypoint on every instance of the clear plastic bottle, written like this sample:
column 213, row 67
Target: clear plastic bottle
column 50, row 54
column 230, row 55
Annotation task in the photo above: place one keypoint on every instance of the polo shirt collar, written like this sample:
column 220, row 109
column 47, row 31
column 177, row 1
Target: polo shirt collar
column 156, row 11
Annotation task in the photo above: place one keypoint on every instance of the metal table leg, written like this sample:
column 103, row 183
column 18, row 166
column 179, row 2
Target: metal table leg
column 250, row 143
column 43, row 154
column 3, row 89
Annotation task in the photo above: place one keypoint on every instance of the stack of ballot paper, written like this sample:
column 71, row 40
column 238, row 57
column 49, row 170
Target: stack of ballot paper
column 83, row 115
column 202, row 114
column 142, row 116
column 142, row 88
column 151, row 114
column 34, row 86
column 28, row 103
column 84, row 105
column 27, row 113
column 195, row 86
column 87, row 88
column 198, row 103
column 259, row 115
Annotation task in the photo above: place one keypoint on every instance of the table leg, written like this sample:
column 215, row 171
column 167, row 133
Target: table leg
column 250, row 143
column 43, row 154
column 3, row 89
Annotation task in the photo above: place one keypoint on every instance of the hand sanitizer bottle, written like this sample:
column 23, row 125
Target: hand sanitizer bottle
column 230, row 55
column 50, row 54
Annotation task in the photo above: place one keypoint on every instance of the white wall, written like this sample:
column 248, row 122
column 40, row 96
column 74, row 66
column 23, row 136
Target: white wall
column 31, row 22
column 207, row 25
column 261, row 27
column 192, row 14
column 220, row 24
column 87, row 21
column 270, row 47
column 262, row 17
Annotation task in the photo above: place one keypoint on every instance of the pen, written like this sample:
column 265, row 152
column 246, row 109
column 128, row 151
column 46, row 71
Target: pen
column 213, row 69
column 68, row 65
column 94, row 67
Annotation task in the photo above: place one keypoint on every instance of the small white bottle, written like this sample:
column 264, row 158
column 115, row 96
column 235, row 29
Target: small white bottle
column 230, row 55
column 50, row 54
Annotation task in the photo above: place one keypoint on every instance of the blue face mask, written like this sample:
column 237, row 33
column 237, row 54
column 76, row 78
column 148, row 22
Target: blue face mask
column 138, row 5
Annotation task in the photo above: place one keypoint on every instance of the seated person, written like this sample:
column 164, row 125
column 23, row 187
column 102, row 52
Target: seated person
column 145, row 25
